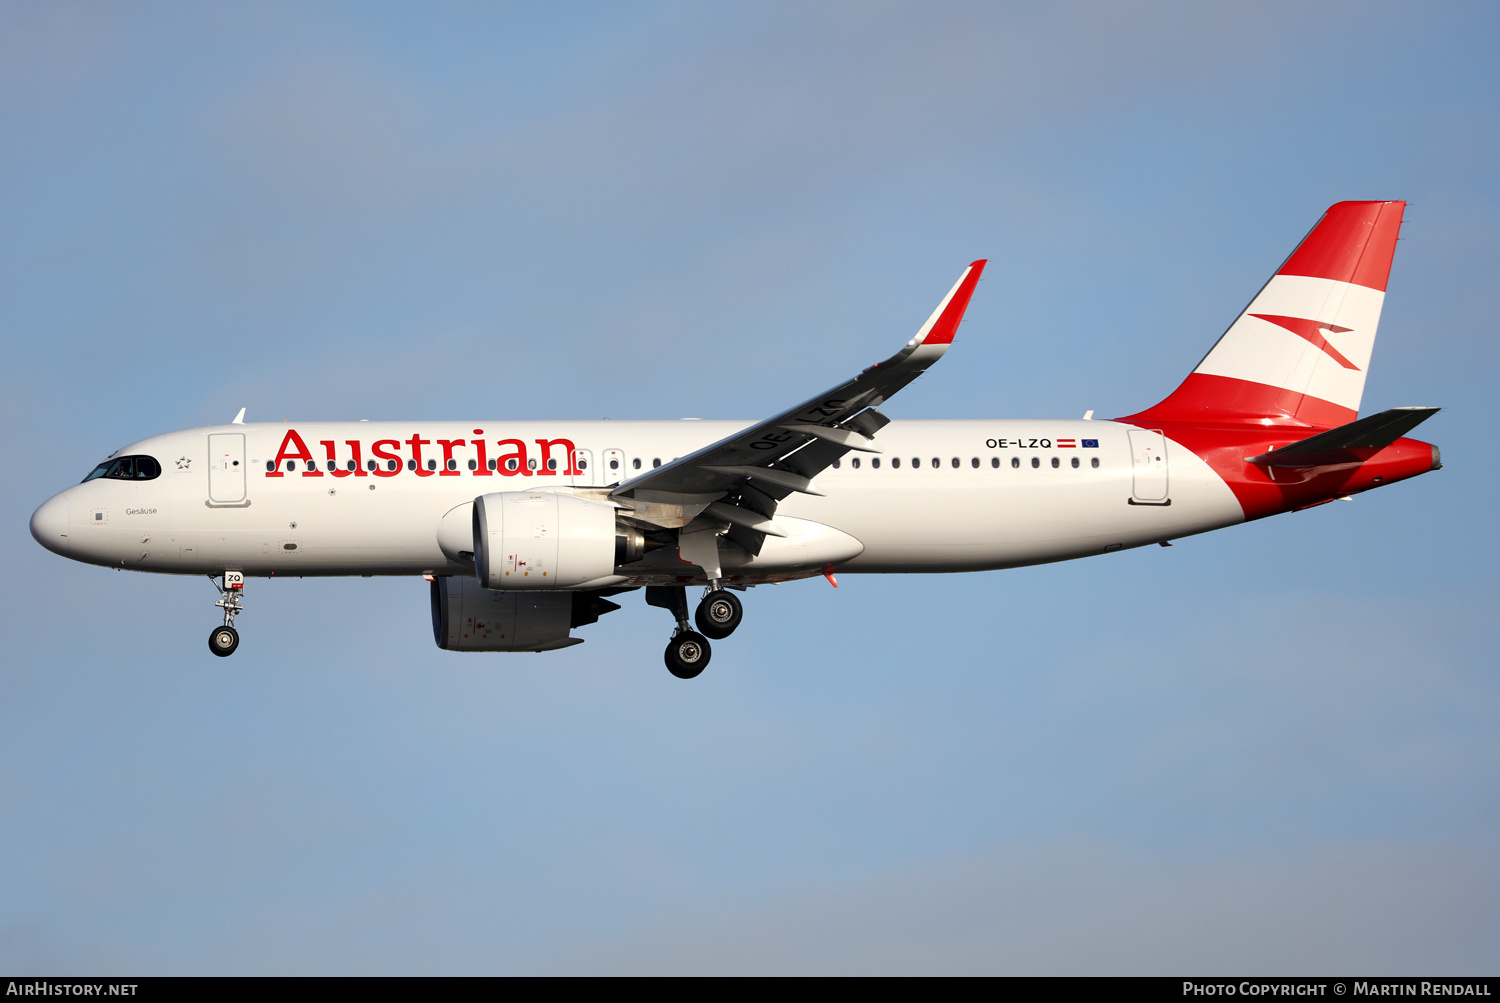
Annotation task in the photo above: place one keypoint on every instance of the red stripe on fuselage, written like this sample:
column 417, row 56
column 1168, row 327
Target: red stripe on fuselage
column 1263, row 491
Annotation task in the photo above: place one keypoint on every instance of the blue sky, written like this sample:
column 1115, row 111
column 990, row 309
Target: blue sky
column 1272, row 748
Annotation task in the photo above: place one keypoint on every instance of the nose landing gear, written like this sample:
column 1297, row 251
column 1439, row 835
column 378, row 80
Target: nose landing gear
column 224, row 640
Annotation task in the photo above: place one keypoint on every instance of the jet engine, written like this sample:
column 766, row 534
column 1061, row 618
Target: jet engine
column 468, row 617
column 531, row 540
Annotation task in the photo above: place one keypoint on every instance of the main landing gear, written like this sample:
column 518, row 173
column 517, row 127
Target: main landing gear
column 688, row 652
column 717, row 616
column 224, row 640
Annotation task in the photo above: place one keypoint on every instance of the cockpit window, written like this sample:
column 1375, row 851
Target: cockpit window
column 127, row 468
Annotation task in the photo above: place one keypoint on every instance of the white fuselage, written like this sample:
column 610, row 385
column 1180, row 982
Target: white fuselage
column 942, row 496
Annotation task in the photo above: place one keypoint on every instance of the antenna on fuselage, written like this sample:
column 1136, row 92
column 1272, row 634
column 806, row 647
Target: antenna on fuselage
column 239, row 419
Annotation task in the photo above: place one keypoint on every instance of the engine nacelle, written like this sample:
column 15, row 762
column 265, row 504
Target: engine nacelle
column 469, row 617
column 531, row 540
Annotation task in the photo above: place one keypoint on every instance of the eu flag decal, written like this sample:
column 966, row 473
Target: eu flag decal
column 1089, row 443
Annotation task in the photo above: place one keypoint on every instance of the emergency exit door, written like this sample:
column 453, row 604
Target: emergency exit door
column 583, row 462
column 613, row 467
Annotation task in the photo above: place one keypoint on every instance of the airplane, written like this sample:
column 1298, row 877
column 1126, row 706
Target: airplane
column 525, row 529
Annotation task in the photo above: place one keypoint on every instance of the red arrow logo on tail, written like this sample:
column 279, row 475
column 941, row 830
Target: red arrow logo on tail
column 1312, row 331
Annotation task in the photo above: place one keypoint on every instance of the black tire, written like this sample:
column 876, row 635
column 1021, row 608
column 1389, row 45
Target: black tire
column 719, row 614
column 223, row 641
column 688, row 654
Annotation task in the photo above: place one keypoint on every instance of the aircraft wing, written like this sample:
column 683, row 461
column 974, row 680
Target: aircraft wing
column 761, row 465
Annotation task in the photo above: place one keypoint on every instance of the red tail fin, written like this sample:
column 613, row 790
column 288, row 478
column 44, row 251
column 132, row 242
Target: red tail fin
column 1299, row 352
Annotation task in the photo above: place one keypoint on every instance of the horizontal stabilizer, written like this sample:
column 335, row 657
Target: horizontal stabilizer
column 1337, row 444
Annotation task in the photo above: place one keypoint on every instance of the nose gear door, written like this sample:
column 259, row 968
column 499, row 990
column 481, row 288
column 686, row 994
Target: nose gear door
column 226, row 468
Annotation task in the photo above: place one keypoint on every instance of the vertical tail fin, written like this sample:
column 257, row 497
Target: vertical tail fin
column 1299, row 352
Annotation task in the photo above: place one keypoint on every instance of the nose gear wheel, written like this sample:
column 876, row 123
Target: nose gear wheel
column 223, row 641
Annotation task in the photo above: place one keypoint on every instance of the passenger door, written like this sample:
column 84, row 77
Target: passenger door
column 1148, row 460
column 226, row 468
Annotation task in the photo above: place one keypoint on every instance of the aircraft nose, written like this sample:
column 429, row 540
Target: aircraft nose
column 49, row 524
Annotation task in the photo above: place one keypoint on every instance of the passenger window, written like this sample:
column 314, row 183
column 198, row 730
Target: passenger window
column 1056, row 463
column 1075, row 463
column 836, row 464
column 492, row 464
column 916, row 462
column 372, row 465
column 854, row 463
column 1094, row 463
column 512, row 464
column 895, row 463
column 452, row 464
column 614, row 464
column 551, row 464
column 411, row 464
column 936, row 463
column 1015, row 461
column 270, row 466
column 583, row 464
column 636, row 463
column 1036, row 461
column 655, row 462
column 432, row 464
column 351, row 465
column 391, row 464
column 473, row 465
column 995, row 462
column 955, row 463
column 875, row 462
column 975, row 463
